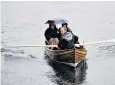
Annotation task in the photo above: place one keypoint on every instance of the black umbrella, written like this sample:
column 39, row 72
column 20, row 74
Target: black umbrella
column 56, row 21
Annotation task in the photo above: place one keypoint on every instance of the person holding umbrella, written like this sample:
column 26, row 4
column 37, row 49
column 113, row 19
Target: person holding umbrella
column 51, row 32
column 51, row 35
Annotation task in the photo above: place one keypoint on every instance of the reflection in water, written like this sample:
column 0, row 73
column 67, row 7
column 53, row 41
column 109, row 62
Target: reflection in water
column 66, row 75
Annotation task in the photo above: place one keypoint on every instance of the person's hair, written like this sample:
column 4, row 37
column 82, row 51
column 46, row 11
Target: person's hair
column 64, row 24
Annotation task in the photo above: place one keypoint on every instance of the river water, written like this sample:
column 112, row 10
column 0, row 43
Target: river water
column 23, row 23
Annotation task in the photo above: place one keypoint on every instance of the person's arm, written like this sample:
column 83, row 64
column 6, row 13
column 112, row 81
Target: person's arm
column 76, row 39
column 47, row 34
column 59, row 34
column 62, row 44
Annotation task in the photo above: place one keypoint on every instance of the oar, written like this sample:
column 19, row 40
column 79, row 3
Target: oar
column 112, row 40
column 10, row 45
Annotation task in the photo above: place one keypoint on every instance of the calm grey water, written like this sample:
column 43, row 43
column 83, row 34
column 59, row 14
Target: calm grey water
column 23, row 23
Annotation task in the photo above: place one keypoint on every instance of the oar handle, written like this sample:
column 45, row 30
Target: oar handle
column 10, row 45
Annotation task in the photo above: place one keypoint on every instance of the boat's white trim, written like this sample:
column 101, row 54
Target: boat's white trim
column 76, row 64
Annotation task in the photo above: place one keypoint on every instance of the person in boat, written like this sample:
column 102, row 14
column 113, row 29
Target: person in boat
column 66, row 26
column 51, row 32
column 51, row 35
column 69, row 30
column 66, row 39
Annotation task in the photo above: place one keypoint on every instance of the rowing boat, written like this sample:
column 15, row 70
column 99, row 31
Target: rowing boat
column 70, row 56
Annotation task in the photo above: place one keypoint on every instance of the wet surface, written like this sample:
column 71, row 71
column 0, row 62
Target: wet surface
column 91, row 21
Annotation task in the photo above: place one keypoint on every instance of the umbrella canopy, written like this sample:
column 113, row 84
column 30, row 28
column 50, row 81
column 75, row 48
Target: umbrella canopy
column 56, row 21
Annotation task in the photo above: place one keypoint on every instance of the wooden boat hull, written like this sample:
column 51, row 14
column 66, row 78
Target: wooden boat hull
column 70, row 57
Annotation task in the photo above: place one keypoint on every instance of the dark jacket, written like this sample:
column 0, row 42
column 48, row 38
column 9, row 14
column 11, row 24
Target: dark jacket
column 69, row 30
column 51, row 33
column 66, row 41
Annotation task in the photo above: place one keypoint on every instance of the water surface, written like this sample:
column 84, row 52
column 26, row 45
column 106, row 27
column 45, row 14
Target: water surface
column 23, row 23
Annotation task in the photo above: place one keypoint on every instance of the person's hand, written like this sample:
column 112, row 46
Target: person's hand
column 81, row 46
